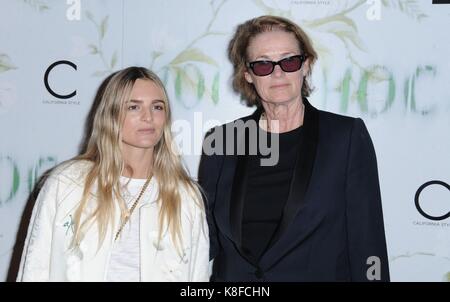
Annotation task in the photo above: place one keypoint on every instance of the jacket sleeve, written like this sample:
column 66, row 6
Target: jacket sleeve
column 35, row 261
column 365, row 227
column 199, row 264
column 208, row 174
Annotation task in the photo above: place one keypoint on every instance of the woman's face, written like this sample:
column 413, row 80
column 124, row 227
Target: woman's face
column 279, row 87
column 145, row 116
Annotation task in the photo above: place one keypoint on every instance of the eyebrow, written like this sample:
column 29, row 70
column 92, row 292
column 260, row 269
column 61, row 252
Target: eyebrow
column 264, row 57
column 140, row 101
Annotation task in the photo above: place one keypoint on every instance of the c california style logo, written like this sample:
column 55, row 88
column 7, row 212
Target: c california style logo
column 417, row 199
column 49, row 89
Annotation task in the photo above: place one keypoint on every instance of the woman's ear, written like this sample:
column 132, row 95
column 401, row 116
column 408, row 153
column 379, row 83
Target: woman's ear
column 305, row 67
column 248, row 77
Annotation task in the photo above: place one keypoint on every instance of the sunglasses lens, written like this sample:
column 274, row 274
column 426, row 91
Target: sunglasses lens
column 291, row 64
column 262, row 68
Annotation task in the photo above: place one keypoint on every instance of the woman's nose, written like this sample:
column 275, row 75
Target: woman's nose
column 277, row 71
column 147, row 115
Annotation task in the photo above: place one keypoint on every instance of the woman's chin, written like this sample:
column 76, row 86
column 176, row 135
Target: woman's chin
column 280, row 100
column 141, row 144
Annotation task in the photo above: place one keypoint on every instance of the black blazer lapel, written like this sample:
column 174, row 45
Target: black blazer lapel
column 239, row 188
column 302, row 170
column 221, row 209
column 237, row 199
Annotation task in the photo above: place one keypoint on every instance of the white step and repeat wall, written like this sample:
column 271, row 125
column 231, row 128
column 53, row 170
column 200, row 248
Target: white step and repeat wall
column 385, row 61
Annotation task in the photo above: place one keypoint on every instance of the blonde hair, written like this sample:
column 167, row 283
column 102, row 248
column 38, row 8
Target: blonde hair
column 103, row 150
column 237, row 53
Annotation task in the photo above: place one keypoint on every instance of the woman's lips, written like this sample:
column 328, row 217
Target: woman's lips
column 146, row 131
column 279, row 86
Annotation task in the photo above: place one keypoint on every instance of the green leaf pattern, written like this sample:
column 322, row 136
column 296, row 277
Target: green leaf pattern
column 5, row 63
column 409, row 7
column 97, row 48
column 37, row 5
column 189, row 67
column 193, row 55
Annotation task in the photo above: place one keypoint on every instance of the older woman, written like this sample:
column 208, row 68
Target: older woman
column 313, row 215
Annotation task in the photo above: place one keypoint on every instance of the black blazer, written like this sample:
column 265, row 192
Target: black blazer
column 332, row 223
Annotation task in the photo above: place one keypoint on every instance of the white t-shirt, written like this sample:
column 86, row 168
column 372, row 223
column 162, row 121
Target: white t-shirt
column 124, row 264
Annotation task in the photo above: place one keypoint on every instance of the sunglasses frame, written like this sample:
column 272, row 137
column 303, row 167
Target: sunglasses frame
column 302, row 57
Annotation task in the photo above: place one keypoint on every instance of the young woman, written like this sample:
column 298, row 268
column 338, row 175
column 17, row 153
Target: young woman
column 125, row 209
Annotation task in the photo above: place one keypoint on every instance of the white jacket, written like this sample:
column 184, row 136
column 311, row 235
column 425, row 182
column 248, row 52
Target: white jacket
column 47, row 257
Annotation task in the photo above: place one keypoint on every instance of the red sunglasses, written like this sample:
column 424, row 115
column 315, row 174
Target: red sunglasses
column 264, row 67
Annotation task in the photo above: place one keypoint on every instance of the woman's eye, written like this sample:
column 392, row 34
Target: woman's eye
column 159, row 107
column 133, row 107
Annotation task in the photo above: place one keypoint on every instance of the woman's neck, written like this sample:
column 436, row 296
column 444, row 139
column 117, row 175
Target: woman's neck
column 284, row 117
column 138, row 162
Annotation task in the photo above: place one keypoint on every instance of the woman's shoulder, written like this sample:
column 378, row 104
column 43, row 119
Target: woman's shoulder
column 335, row 118
column 74, row 170
column 234, row 123
column 337, row 123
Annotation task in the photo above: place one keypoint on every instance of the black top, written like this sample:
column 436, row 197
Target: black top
column 267, row 192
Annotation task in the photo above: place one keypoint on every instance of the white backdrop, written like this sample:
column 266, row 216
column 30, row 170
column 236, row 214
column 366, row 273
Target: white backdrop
column 385, row 61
